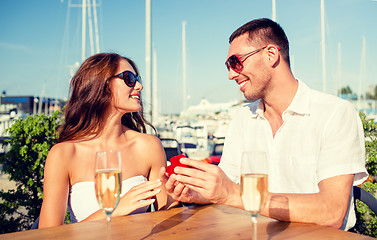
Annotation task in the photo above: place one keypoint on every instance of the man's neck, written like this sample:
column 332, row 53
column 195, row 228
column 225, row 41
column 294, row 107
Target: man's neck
column 277, row 101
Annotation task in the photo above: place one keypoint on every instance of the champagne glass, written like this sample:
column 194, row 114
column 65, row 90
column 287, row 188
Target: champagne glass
column 108, row 181
column 254, row 184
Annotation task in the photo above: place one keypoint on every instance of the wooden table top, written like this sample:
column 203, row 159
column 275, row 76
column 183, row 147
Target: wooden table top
column 195, row 222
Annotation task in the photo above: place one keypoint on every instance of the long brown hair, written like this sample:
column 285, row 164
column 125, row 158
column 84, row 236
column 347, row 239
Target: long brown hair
column 90, row 97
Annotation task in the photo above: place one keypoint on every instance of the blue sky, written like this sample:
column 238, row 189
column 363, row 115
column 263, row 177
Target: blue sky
column 37, row 44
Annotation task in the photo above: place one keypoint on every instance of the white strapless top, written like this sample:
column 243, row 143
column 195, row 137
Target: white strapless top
column 82, row 201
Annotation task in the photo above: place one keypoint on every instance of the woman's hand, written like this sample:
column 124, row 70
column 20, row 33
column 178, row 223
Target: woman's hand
column 137, row 197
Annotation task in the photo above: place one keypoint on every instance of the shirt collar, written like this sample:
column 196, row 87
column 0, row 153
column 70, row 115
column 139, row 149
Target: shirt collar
column 301, row 101
column 260, row 109
column 299, row 105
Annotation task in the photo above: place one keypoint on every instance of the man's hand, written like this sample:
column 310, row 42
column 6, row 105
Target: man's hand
column 178, row 191
column 203, row 183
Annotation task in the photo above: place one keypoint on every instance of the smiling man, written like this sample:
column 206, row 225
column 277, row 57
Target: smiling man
column 315, row 141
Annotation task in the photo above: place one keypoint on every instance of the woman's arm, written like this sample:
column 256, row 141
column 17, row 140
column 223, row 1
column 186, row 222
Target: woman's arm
column 55, row 188
column 155, row 154
column 148, row 149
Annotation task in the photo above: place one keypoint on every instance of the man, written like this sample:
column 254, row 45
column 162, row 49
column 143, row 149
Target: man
column 315, row 141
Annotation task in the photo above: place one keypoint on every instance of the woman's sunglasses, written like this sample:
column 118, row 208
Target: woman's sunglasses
column 129, row 78
column 234, row 62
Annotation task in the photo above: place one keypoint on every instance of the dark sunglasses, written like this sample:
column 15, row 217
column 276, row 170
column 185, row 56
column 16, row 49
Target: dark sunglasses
column 129, row 78
column 234, row 62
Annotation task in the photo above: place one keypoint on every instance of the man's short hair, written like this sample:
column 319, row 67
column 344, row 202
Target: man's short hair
column 264, row 31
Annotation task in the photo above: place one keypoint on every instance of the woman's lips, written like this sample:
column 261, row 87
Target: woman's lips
column 135, row 97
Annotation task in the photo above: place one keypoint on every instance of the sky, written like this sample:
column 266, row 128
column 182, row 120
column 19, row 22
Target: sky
column 40, row 39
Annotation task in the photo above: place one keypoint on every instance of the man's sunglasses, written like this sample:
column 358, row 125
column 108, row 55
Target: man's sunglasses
column 129, row 78
column 234, row 62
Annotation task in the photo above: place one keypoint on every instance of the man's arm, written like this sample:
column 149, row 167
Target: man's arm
column 209, row 182
column 327, row 207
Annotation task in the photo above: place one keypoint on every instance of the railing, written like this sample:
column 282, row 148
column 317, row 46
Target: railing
column 5, row 124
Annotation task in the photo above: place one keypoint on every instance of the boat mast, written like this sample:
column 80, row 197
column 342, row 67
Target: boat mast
column 87, row 6
column 184, row 65
column 90, row 28
column 154, row 92
column 83, row 31
column 324, row 87
column 362, row 73
column 96, row 25
column 339, row 68
column 148, row 66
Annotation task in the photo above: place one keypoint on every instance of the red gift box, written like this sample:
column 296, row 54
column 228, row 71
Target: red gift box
column 175, row 163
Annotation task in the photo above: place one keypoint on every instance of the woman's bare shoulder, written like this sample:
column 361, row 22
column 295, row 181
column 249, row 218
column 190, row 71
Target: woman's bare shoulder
column 145, row 145
column 62, row 152
column 144, row 139
column 64, row 147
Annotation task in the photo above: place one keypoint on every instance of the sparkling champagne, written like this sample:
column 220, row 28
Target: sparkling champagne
column 253, row 192
column 108, row 185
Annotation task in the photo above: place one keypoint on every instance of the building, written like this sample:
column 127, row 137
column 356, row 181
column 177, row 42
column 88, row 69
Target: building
column 29, row 105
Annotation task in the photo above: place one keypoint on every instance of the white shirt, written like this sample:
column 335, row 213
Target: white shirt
column 322, row 136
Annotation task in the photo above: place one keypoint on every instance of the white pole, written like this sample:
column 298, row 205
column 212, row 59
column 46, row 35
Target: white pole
column 148, row 41
column 96, row 25
column 90, row 20
column 46, row 106
column 338, row 90
column 35, row 106
column 184, row 64
column 324, row 87
column 41, row 99
column 83, row 33
column 274, row 10
column 362, row 72
column 154, row 86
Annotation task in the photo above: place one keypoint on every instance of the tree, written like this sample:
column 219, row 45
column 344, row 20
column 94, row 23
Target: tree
column 30, row 141
column 346, row 90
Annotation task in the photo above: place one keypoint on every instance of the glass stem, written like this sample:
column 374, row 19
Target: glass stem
column 254, row 221
column 108, row 234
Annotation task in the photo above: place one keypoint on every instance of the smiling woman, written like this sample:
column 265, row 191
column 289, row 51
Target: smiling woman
column 104, row 112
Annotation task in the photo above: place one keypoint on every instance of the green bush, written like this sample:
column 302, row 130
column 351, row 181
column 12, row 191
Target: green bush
column 366, row 220
column 29, row 143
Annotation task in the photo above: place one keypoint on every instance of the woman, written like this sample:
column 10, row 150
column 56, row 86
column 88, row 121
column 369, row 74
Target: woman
column 104, row 112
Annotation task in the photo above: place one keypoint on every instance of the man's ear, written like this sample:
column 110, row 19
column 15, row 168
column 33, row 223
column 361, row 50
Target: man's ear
column 273, row 55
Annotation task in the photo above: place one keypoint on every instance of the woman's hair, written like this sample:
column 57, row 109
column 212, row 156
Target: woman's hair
column 264, row 31
column 90, row 97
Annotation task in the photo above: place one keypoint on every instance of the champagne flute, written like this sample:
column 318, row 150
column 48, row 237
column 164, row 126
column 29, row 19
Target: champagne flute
column 254, row 184
column 108, row 181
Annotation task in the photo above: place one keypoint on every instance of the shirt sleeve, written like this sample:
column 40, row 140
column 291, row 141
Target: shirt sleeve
column 343, row 145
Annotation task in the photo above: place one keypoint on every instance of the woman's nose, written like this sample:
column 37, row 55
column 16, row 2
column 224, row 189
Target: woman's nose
column 138, row 86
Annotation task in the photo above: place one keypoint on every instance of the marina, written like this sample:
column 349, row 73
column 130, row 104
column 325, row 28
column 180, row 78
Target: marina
column 194, row 132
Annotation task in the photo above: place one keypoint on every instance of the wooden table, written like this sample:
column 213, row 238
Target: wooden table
column 196, row 222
